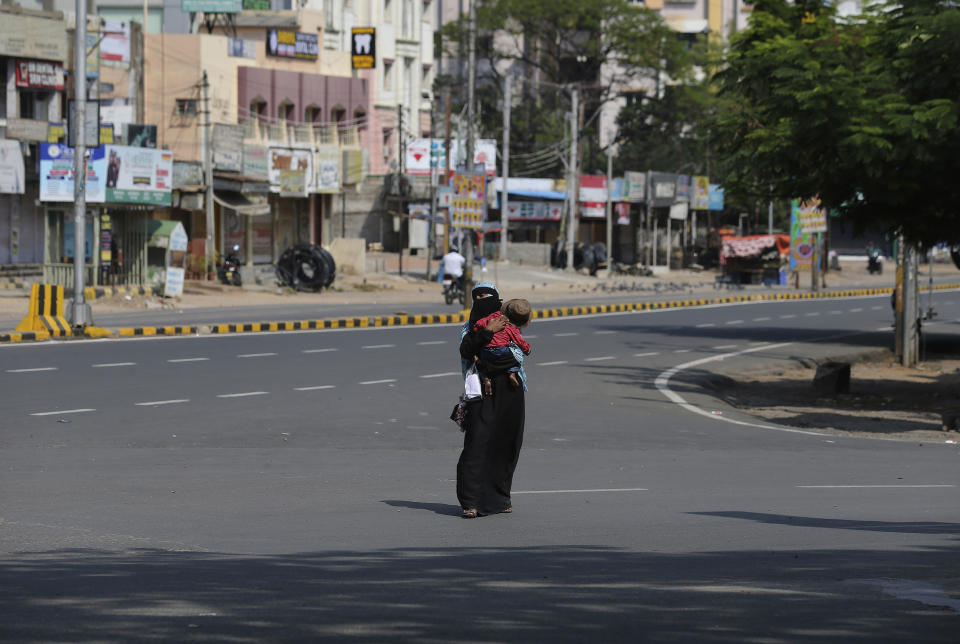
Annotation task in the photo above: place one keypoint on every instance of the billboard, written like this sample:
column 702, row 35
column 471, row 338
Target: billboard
column 469, row 203
column 363, row 47
column 283, row 43
column 211, row 6
column 291, row 171
column 802, row 239
column 534, row 210
column 422, row 154
column 328, row 169
column 715, row 196
column 138, row 175
column 227, row 147
column 663, row 189
column 56, row 173
column 701, row 193
column 635, row 186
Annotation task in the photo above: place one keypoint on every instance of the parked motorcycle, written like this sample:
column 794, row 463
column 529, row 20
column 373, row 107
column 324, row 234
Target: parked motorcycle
column 452, row 291
column 874, row 262
column 229, row 272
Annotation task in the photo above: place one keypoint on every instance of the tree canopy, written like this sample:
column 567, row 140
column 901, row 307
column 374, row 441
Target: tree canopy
column 862, row 112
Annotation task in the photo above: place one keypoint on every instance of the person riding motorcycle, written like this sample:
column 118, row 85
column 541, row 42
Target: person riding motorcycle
column 453, row 263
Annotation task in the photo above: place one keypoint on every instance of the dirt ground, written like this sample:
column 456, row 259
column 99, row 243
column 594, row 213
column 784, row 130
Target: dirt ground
column 886, row 400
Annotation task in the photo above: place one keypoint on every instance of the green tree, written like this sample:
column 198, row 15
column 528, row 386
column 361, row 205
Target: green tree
column 863, row 112
column 599, row 46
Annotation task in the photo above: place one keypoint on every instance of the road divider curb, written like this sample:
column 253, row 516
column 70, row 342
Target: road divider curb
column 451, row 318
column 93, row 293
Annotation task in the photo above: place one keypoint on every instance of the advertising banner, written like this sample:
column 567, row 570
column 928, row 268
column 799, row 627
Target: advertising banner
column 683, row 187
column 534, row 210
column 622, row 212
column 715, row 197
column 38, row 74
column 211, row 6
column 138, row 175
column 352, row 167
column 292, row 44
column 291, row 171
column 227, row 147
column 635, row 186
column 328, row 169
column 663, row 189
column 701, row 193
column 115, row 44
column 173, row 284
column 56, row 173
column 469, row 204
column 679, row 210
column 422, row 153
column 811, row 217
column 255, row 165
column 802, row 241
column 240, row 48
column 11, row 168
column 363, row 47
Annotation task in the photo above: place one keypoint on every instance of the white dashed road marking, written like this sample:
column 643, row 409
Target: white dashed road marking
column 188, row 360
column 810, row 315
column 423, row 344
column 378, row 382
column 705, row 326
column 113, row 364
column 154, row 403
column 725, row 346
column 764, row 319
column 62, row 411
column 318, row 350
column 598, row 358
column 550, row 364
column 604, row 332
column 648, row 353
column 441, row 375
column 32, row 370
column 378, row 346
column 735, row 322
column 314, row 388
column 787, row 317
column 855, row 310
column 244, row 394
column 683, row 350
column 564, row 335
column 255, row 355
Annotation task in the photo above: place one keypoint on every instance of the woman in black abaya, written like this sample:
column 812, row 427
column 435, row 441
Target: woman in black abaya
column 493, row 426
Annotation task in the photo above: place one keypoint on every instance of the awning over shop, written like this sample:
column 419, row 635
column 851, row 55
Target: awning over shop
column 754, row 245
column 240, row 203
column 551, row 195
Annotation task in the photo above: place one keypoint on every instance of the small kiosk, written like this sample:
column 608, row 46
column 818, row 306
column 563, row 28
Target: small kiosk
column 166, row 256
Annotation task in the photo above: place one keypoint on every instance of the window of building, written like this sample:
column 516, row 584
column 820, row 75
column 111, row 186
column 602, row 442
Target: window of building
column 285, row 111
column 387, row 11
column 387, row 145
column 328, row 18
column 406, row 25
column 388, row 75
column 360, row 118
column 312, row 114
column 409, row 84
column 338, row 113
column 34, row 105
column 186, row 107
column 258, row 109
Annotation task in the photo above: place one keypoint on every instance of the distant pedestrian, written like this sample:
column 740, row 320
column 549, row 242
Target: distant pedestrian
column 493, row 426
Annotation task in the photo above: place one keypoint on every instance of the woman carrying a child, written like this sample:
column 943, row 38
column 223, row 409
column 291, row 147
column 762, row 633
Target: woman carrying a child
column 493, row 425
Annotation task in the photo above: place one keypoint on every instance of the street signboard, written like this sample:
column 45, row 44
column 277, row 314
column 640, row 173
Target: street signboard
column 469, row 203
column 811, row 217
column 701, row 193
column 363, row 47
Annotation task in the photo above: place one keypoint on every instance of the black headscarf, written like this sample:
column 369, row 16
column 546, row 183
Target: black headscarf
column 484, row 306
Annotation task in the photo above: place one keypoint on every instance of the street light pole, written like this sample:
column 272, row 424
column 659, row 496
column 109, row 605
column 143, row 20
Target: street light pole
column 609, row 212
column 79, row 317
column 505, row 198
column 572, row 187
column 471, row 89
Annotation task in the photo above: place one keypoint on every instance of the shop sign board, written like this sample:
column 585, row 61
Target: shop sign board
column 56, row 173
column 423, row 155
column 255, row 164
column 39, row 74
column 363, row 47
column 715, row 196
column 291, row 171
column 33, row 37
column 138, row 175
column 534, row 210
column 328, row 169
column 811, row 216
column 469, row 203
column 240, row 48
column 683, row 187
column 11, row 168
column 679, row 210
column 663, row 189
column 283, row 43
column 211, row 6
column 352, row 167
column 115, row 44
column 635, row 186
column 227, row 147
column 701, row 193
column 802, row 237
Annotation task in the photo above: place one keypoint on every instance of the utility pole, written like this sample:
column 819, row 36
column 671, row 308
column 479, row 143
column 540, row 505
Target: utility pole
column 770, row 214
column 505, row 200
column 208, row 167
column 79, row 318
column 572, row 182
column 609, row 209
column 446, row 168
column 471, row 89
column 905, row 304
column 400, row 156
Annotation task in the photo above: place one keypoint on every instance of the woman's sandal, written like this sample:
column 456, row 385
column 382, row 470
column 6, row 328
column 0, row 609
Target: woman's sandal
column 470, row 514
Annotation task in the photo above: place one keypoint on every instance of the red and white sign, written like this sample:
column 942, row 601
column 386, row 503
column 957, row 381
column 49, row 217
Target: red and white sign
column 38, row 74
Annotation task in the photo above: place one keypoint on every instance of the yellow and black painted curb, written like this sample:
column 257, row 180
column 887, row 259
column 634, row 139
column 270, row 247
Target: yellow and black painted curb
column 93, row 293
column 452, row 318
column 45, row 311
column 12, row 285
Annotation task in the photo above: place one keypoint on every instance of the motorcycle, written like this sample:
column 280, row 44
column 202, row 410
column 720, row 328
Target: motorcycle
column 229, row 272
column 452, row 291
column 874, row 262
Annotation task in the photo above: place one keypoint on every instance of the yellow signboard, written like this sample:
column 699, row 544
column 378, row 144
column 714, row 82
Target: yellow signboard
column 469, row 202
column 363, row 47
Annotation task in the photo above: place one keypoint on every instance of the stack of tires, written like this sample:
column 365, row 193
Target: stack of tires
column 306, row 267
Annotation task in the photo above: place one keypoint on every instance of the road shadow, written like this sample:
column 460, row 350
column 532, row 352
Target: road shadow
column 445, row 509
column 497, row 594
column 902, row 527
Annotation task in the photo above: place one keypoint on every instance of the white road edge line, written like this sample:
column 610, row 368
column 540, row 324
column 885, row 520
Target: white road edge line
column 550, row 364
column 314, row 388
column 62, row 411
column 441, row 375
column 663, row 385
column 188, row 360
column 725, row 346
column 378, row 382
column 32, row 370
column 162, row 402
column 245, row 393
column 113, row 364
column 683, row 350
column 610, row 489
column 868, row 486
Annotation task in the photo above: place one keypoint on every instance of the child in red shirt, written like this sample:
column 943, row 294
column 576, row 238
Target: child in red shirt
column 508, row 342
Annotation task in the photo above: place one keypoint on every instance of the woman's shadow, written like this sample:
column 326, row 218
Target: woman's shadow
column 445, row 509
